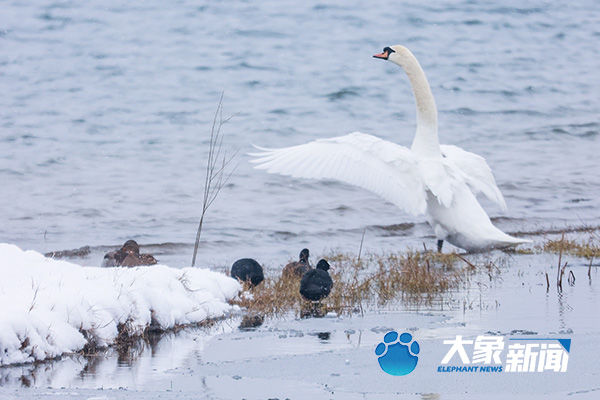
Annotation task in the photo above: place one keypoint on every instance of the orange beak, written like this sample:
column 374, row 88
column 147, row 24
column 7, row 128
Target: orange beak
column 383, row 56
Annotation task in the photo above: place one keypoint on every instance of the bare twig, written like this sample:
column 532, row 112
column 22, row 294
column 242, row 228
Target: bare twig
column 571, row 278
column 362, row 239
column 558, row 274
column 217, row 165
column 466, row 261
column 35, row 294
column 561, row 274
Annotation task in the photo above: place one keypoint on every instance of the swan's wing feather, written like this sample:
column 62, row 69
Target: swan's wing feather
column 440, row 179
column 477, row 173
column 383, row 167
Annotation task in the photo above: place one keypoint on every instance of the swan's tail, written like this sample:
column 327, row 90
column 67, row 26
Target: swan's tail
column 503, row 240
column 486, row 242
column 513, row 241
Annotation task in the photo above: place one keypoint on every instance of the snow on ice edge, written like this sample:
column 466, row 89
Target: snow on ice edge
column 46, row 305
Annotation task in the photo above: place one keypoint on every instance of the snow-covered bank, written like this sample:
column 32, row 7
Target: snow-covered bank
column 50, row 307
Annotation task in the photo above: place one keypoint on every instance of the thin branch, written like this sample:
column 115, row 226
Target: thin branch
column 362, row 239
column 466, row 261
column 560, row 253
column 217, row 165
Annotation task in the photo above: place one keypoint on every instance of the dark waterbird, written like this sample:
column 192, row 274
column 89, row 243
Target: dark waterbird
column 316, row 284
column 247, row 269
column 297, row 268
column 251, row 321
column 128, row 256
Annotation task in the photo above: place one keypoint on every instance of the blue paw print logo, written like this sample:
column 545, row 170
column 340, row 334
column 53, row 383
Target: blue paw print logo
column 396, row 354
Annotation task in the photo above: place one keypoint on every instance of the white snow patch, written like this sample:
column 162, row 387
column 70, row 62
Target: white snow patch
column 47, row 305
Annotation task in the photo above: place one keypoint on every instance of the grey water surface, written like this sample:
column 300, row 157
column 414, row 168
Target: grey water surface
column 106, row 110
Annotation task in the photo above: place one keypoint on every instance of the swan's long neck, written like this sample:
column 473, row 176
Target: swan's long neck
column 426, row 140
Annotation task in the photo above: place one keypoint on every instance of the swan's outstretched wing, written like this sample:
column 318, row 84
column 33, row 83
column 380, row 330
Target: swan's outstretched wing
column 383, row 167
column 478, row 174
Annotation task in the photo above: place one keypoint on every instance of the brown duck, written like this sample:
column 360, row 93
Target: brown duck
column 128, row 256
column 297, row 268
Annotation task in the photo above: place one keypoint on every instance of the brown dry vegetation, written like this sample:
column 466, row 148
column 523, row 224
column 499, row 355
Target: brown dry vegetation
column 371, row 282
column 589, row 249
column 130, row 341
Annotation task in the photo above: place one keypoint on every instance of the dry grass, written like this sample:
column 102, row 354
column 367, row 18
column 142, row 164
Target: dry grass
column 589, row 249
column 372, row 282
column 420, row 277
column 521, row 250
column 271, row 297
column 131, row 341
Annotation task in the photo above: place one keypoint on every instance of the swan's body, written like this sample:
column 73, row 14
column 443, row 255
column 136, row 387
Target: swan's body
column 437, row 180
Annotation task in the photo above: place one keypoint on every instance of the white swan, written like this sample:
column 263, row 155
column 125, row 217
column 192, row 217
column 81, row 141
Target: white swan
column 437, row 180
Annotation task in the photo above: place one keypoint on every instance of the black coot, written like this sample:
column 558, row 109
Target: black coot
column 247, row 269
column 316, row 284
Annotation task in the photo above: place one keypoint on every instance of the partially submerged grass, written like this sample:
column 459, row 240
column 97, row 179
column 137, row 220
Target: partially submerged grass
column 375, row 281
column 274, row 296
column 130, row 341
column 588, row 249
column 371, row 282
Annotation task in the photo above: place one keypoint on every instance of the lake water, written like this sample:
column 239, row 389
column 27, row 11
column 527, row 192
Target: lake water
column 106, row 109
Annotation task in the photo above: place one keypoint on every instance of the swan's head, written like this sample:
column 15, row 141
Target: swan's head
column 396, row 54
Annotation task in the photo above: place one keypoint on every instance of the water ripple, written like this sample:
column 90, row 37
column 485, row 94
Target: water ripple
column 106, row 112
